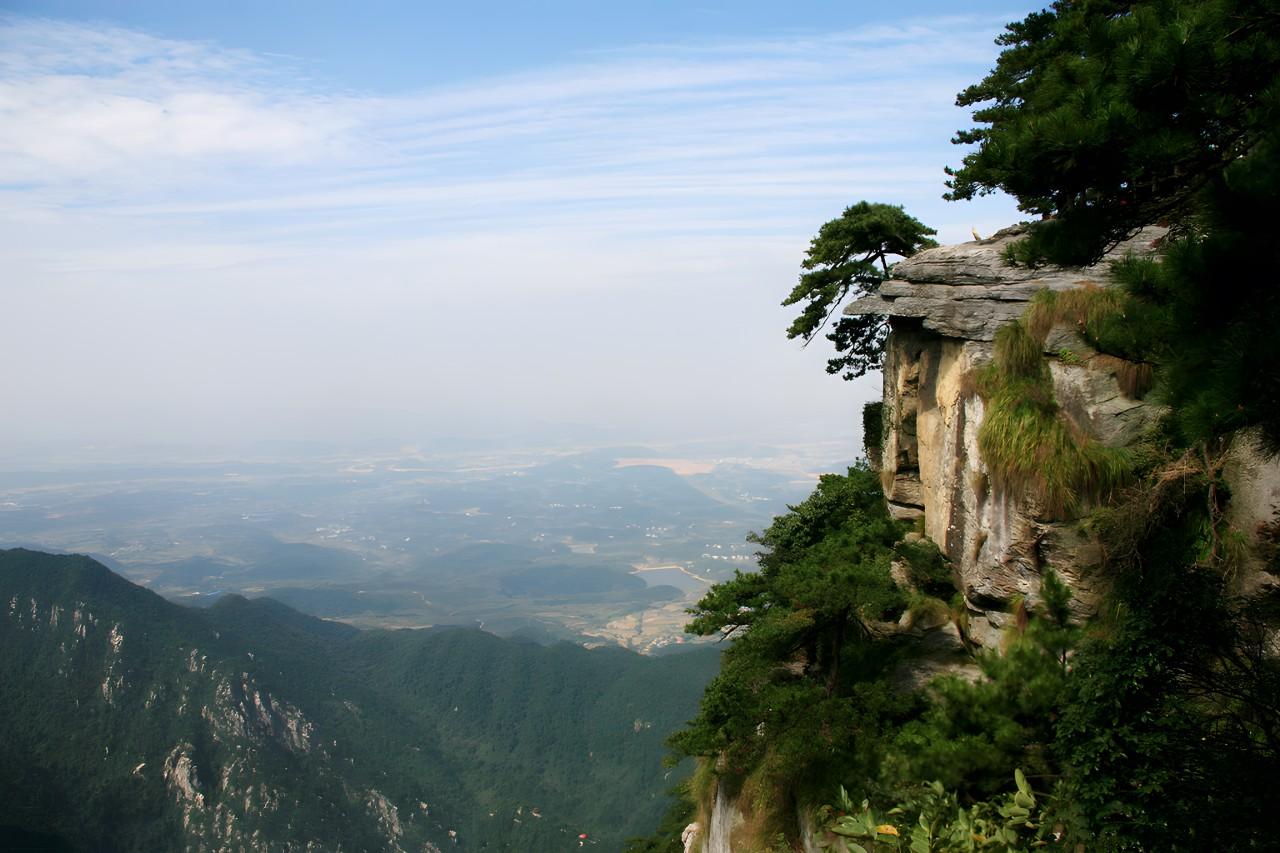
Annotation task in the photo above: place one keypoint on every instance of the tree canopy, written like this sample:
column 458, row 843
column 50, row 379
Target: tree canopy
column 1105, row 116
column 796, row 623
column 851, row 254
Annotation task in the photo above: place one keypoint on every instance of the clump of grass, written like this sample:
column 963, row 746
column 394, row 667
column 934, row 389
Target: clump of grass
column 1090, row 309
column 1029, row 446
column 1110, row 320
column 1018, row 354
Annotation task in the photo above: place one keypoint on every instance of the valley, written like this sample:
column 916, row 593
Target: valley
column 601, row 546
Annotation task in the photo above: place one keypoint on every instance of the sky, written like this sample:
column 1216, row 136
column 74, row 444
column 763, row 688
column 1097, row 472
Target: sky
column 390, row 222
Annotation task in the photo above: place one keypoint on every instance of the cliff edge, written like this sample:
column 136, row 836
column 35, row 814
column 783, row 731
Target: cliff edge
column 944, row 307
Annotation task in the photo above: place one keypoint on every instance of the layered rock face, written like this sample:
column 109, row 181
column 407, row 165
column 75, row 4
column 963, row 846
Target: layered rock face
column 944, row 307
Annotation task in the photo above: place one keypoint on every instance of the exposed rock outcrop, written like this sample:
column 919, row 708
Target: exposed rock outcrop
column 967, row 291
column 944, row 307
column 726, row 817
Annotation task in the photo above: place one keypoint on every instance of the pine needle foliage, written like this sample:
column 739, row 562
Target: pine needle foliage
column 800, row 684
column 851, row 255
column 1107, row 115
column 1028, row 444
column 972, row 732
column 1211, row 309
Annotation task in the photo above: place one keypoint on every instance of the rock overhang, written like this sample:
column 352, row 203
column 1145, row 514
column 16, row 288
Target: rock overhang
column 969, row 290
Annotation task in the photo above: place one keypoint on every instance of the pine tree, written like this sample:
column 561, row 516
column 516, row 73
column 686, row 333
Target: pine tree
column 1105, row 116
column 851, row 255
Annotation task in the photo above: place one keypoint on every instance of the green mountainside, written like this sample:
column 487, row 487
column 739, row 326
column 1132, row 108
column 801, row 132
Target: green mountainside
column 132, row 723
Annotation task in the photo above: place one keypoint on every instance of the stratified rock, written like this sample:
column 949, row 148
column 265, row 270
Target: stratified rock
column 969, row 290
column 944, row 307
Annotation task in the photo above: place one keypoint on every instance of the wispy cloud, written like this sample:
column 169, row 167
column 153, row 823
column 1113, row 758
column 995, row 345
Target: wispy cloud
column 128, row 122
column 224, row 240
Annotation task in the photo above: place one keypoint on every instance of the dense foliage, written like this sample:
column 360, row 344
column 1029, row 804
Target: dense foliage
column 851, row 254
column 805, row 686
column 1172, row 725
column 1109, row 115
column 809, row 695
column 803, row 629
column 1151, row 729
column 1207, row 312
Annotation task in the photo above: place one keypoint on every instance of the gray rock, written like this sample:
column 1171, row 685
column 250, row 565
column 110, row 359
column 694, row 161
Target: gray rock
column 982, row 262
column 1090, row 396
column 945, row 306
column 973, row 313
column 969, row 291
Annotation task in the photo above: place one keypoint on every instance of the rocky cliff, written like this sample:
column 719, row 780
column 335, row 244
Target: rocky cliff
column 944, row 307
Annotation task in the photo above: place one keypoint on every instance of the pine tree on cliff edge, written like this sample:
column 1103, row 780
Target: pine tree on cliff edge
column 851, row 255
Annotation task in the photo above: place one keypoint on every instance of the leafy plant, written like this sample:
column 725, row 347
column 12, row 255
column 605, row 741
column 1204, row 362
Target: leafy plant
column 1011, row 824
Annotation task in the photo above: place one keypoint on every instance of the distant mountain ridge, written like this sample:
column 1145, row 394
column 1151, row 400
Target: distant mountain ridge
column 132, row 723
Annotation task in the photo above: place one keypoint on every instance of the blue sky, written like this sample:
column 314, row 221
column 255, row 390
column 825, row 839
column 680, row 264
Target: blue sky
column 400, row 46
column 398, row 220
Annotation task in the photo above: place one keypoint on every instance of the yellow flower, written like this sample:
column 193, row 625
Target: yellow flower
column 887, row 829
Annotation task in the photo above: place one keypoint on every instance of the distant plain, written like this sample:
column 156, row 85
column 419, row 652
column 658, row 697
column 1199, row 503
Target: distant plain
column 604, row 546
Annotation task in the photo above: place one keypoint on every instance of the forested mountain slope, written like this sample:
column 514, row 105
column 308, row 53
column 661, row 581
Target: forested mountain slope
column 133, row 723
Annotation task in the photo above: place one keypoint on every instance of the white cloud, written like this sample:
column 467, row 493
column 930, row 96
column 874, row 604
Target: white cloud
column 219, row 238
column 100, row 115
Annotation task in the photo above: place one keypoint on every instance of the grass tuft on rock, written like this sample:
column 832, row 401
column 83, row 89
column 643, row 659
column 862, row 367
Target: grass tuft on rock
column 1030, row 447
column 1110, row 320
